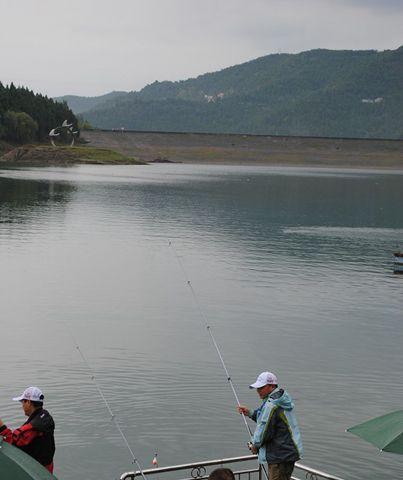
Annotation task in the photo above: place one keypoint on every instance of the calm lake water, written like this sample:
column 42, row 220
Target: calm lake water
column 293, row 269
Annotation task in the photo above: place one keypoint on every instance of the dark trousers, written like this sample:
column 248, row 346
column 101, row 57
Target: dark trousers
column 281, row 471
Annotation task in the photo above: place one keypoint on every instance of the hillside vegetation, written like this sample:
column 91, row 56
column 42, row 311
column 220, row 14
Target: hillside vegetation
column 81, row 104
column 314, row 93
column 26, row 116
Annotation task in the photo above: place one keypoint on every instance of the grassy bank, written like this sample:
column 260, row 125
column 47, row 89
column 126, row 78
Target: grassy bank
column 38, row 155
column 102, row 156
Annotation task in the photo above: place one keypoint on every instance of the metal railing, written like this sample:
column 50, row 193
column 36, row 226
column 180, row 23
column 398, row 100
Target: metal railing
column 199, row 470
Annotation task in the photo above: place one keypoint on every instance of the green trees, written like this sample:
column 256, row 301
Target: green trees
column 19, row 127
column 83, row 124
column 27, row 117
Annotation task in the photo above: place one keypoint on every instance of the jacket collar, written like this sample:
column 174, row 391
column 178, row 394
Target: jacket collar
column 35, row 413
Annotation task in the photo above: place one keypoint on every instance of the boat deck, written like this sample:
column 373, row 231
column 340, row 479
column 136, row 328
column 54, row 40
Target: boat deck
column 244, row 468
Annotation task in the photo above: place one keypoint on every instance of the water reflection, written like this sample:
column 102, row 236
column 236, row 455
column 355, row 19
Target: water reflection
column 30, row 201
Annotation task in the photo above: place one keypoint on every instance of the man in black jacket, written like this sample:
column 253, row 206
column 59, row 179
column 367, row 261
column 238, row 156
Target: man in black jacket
column 36, row 435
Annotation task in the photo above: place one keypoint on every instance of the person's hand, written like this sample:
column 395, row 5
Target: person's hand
column 243, row 409
column 252, row 448
column 1, row 422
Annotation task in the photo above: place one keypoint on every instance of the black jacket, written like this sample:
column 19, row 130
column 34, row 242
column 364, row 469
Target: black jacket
column 35, row 436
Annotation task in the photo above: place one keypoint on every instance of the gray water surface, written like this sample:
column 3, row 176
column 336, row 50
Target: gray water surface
column 293, row 268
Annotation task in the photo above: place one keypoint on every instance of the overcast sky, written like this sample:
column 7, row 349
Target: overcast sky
column 91, row 47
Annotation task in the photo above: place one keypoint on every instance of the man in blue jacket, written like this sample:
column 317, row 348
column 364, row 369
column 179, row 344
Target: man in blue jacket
column 277, row 438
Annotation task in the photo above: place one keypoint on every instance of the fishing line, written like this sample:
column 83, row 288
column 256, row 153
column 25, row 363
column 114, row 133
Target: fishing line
column 108, row 407
column 209, row 330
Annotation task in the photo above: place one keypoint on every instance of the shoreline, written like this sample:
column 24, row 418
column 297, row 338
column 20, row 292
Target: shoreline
column 45, row 155
column 123, row 148
column 230, row 149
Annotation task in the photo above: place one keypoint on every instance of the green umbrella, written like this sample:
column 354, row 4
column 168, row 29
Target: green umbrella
column 385, row 432
column 17, row 465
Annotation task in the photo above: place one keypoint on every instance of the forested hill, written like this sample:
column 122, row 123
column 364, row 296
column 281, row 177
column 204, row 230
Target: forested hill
column 313, row 93
column 27, row 117
column 81, row 104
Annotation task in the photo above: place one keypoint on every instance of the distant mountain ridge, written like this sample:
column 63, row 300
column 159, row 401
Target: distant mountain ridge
column 315, row 93
column 82, row 104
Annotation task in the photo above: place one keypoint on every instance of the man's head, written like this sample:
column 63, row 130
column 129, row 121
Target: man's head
column 222, row 474
column 31, row 399
column 265, row 383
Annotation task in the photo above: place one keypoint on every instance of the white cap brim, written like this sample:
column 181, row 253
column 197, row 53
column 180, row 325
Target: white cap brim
column 18, row 399
column 257, row 385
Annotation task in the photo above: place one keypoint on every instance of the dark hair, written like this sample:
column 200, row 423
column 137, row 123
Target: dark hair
column 222, row 474
column 37, row 404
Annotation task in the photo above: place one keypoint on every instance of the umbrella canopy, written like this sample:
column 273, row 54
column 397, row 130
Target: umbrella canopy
column 17, row 465
column 385, row 432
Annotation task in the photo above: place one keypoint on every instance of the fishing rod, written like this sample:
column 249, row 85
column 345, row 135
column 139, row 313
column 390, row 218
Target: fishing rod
column 209, row 329
column 108, row 407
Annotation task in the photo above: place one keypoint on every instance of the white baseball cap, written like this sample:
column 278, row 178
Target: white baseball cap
column 31, row 393
column 265, row 378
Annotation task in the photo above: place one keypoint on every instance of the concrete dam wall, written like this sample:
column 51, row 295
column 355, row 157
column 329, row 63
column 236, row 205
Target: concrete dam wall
column 251, row 149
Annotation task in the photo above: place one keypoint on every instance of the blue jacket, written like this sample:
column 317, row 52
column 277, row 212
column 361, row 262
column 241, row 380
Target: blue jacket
column 277, row 436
